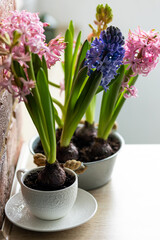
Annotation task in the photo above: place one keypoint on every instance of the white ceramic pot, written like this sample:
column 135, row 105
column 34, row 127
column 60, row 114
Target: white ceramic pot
column 33, row 143
column 99, row 172
column 48, row 205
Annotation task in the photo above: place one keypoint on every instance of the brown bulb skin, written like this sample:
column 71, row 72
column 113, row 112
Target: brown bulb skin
column 67, row 153
column 85, row 135
column 52, row 176
column 100, row 149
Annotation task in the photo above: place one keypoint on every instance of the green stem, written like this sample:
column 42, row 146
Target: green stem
column 108, row 102
column 49, row 113
column 118, row 108
column 75, row 113
column 58, row 104
column 90, row 113
column 67, row 62
column 53, row 153
column 54, row 84
column 128, row 75
column 103, row 116
column 113, row 119
column 37, row 98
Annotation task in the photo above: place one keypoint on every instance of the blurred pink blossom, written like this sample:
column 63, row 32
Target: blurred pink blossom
column 22, row 33
column 142, row 50
column 32, row 34
column 62, row 87
column 131, row 90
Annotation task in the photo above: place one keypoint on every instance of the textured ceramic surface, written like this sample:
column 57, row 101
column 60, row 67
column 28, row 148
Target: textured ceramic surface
column 48, row 205
column 99, row 173
column 18, row 213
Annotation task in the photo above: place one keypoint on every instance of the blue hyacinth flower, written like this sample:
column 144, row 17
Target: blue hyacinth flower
column 106, row 54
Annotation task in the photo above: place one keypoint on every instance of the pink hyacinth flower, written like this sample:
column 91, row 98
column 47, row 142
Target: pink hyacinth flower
column 132, row 92
column 142, row 51
column 22, row 33
column 62, row 87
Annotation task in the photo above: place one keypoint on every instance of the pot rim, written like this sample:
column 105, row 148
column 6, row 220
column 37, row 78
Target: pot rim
column 114, row 133
column 31, row 143
column 41, row 191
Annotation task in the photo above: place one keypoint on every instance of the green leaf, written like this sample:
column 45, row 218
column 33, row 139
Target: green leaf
column 77, row 87
column 74, row 116
column 19, row 70
column 37, row 64
column 89, row 90
column 47, row 106
column 113, row 80
column 36, row 118
column 90, row 112
column 44, row 66
column 74, row 58
column 133, row 80
column 100, row 89
column 57, row 119
column 81, row 57
column 58, row 103
column 62, row 64
column 71, row 28
column 68, row 60
column 108, row 103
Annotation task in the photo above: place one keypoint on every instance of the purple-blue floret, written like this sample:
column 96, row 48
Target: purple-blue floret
column 106, row 54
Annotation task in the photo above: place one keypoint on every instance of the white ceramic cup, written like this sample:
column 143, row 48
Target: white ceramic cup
column 48, row 205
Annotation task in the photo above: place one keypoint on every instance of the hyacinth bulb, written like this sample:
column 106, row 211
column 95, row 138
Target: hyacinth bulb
column 67, row 153
column 52, row 176
column 100, row 149
column 85, row 134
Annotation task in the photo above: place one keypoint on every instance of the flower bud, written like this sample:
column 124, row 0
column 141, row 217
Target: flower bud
column 104, row 14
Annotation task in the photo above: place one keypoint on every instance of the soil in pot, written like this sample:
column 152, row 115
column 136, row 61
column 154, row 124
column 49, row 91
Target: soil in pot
column 99, row 149
column 93, row 150
column 31, row 182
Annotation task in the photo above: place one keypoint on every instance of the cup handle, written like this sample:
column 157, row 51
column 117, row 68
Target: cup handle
column 19, row 175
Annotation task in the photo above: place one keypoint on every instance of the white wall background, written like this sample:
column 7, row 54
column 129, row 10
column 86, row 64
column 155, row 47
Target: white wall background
column 139, row 120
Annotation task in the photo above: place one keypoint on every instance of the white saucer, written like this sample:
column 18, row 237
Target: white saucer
column 83, row 210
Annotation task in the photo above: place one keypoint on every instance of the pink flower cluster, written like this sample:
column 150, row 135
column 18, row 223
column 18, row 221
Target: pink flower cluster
column 32, row 34
column 18, row 91
column 22, row 33
column 142, row 50
column 131, row 91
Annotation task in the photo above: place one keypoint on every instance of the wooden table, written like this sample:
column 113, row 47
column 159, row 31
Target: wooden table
column 128, row 206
